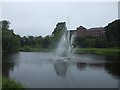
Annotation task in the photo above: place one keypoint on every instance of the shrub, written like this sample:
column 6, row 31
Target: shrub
column 26, row 48
column 9, row 83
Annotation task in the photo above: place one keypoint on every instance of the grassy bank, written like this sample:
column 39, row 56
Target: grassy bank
column 29, row 49
column 9, row 83
column 100, row 51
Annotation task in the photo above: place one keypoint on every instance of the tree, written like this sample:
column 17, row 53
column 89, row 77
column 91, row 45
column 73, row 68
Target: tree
column 100, row 42
column 24, row 41
column 5, row 25
column 38, row 41
column 112, row 33
column 46, row 42
column 10, row 41
column 58, row 32
column 31, row 41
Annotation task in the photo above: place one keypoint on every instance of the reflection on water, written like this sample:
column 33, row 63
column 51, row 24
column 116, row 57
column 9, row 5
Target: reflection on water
column 39, row 70
column 111, row 68
column 8, row 62
column 60, row 67
column 83, row 66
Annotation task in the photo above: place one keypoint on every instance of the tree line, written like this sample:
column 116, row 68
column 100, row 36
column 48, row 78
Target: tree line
column 12, row 42
column 111, row 38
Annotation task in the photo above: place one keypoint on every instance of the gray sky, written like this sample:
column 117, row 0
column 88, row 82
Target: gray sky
column 41, row 18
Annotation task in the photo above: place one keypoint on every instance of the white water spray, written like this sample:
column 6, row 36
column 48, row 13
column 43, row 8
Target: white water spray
column 65, row 46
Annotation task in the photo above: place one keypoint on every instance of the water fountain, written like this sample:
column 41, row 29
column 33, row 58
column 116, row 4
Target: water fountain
column 65, row 46
column 64, row 53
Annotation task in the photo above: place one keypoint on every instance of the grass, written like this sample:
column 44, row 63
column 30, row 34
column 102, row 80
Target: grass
column 101, row 51
column 41, row 49
column 29, row 49
column 9, row 83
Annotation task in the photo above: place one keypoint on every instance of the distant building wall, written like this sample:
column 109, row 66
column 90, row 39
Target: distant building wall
column 96, row 32
column 81, row 31
column 92, row 32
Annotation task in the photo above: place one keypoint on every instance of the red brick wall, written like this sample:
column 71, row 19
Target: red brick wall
column 81, row 31
column 93, row 32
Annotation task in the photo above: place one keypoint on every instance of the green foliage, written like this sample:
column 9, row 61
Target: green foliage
column 111, row 38
column 89, row 42
column 100, row 42
column 85, row 42
column 101, row 51
column 49, row 41
column 38, row 41
column 5, row 25
column 26, row 49
column 33, row 42
column 46, row 42
column 9, row 83
column 113, row 33
column 58, row 32
column 60, row 28
column 10, row 41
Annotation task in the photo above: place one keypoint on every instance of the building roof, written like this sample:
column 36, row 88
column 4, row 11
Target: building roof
column 97, row 29
column 81, row 27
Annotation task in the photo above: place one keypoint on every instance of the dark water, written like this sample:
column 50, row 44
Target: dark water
column 42, row 70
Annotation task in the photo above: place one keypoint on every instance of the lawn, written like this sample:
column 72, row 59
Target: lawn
column 101, row 51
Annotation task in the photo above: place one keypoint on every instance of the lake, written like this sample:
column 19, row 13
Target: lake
column 44, row 70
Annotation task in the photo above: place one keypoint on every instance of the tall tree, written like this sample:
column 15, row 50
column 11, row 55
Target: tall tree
column 113, row 33
column 10, row 41
column 58, row 32
column 46, row 42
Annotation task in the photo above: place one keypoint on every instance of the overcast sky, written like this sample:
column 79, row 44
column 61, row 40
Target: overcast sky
column 41, row 18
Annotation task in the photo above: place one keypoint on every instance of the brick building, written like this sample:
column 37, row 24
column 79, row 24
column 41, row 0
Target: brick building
column 92, row 32
column 96, row 32
column 81, row 31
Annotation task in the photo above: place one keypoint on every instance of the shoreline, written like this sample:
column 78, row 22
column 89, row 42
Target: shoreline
column 36, row 50
column 99, row 51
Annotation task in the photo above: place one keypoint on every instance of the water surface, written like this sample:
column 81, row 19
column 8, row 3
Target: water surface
column 44, row 70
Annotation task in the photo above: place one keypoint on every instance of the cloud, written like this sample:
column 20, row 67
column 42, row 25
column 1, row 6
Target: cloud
column 41, row 18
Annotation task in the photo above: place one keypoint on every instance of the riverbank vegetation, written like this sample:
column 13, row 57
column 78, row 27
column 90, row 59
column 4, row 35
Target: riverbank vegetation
column 34, row 49
column 100, row 51
column 9, row 84
column 12, row 42
column 106, row 45
column 109, row 40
